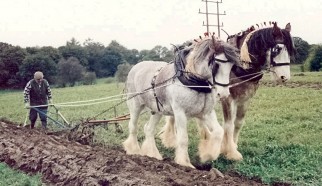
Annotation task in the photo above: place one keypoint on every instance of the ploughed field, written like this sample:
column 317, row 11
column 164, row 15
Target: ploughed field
column 67, row 162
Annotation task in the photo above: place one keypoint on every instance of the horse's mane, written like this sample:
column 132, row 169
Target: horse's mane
column 288, row 41
column 258, row 41
column 201, row 48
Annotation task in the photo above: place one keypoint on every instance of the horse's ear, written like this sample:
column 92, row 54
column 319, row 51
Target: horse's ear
column 276, row 30
column 213, row 42
column 288, row 27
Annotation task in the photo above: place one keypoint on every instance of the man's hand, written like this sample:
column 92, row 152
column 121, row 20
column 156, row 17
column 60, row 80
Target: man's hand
column 27, row 105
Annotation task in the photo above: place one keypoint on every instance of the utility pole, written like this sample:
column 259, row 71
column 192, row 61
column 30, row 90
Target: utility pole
column 208, row 13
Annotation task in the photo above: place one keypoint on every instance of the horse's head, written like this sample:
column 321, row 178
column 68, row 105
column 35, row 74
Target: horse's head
column 272, row 47
column 279, row 55
column 212, row 60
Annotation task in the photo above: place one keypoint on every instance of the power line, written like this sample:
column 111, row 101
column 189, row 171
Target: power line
column 209, row 13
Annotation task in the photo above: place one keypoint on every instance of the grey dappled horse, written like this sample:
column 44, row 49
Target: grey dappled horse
column 181, row 89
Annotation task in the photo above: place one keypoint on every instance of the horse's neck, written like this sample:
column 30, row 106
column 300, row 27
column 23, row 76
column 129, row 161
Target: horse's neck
column 180, row 68
column 243, row 74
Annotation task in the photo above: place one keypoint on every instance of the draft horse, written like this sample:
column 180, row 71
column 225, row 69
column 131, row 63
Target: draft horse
column 272, row 47
column 182, row 89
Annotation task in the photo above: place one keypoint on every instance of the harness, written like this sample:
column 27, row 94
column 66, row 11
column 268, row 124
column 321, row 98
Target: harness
column 215, row 71
column 188, row 79
column 153, row 86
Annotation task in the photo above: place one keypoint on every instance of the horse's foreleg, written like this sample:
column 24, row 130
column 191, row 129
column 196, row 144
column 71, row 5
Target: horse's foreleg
column 131, row 144
column 168, row 136
column 229, row 147
column 149, row 147
column 182, row 156
column 239, row 121
column 211, row 137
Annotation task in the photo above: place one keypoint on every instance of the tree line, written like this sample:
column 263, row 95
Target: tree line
column 74, row 62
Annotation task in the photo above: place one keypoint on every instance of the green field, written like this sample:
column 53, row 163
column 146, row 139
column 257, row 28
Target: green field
column 280, row 142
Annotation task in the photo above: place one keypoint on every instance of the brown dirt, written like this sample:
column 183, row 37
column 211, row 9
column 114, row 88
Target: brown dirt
column 64, row 162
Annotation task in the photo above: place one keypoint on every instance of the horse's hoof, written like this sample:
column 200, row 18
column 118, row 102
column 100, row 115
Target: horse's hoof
column 205, row 157
column 185, row 163
column 131, row 148
column 235, row 156
column 153, row 155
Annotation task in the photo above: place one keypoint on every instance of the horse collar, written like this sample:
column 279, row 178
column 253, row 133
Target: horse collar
column 189, row 79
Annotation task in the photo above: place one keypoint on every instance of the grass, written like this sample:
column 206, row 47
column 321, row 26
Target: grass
column 280, row 141
column 16, row 178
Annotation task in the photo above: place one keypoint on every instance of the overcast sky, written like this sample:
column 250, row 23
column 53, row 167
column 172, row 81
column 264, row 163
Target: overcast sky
column 143, row 24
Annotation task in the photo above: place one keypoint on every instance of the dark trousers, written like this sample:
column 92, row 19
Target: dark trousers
column 33, row 114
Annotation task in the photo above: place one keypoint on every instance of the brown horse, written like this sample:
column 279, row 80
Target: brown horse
column 267, row 47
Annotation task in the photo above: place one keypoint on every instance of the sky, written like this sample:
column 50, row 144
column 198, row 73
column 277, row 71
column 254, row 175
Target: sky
column 143, row 24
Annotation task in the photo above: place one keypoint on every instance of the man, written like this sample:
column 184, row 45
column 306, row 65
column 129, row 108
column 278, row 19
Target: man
column 37, row 92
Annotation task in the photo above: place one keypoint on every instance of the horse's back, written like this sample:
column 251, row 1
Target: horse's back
column 141, row 74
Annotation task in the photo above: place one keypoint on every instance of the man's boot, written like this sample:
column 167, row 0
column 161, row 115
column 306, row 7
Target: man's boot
column 32, row 125
column 44, row 125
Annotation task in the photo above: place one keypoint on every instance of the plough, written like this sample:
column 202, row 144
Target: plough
column 87, row 123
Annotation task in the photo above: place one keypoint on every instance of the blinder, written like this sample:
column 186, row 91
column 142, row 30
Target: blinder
column 215, row 69
column 275, row 51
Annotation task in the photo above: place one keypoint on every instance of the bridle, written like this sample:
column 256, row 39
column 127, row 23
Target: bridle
column 215, row 71
column 276, row 50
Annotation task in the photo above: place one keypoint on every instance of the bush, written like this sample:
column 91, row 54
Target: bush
column 89, row 78
column 69, row 72
column 314, row 60
column 122, row 71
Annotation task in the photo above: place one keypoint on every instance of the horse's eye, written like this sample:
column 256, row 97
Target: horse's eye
column 277, row 49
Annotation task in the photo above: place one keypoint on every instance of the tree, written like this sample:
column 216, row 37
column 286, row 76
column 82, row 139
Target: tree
column 143, row 55
column 89, row 78
column 69, row 71
column 122, row 72
column 302, row 50
column 37, row 62
column 49, row 51
column 132, row 56
column 11, row 57
column 128, row 56
column 314, row 60
column 168, row 55
column 316, row 63
column 158, row 53
column 155, row 54
column 94, row 52
column 108, row 63
column 74, row 49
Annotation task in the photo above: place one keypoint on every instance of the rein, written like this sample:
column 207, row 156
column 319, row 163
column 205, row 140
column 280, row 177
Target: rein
column 257, row 74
